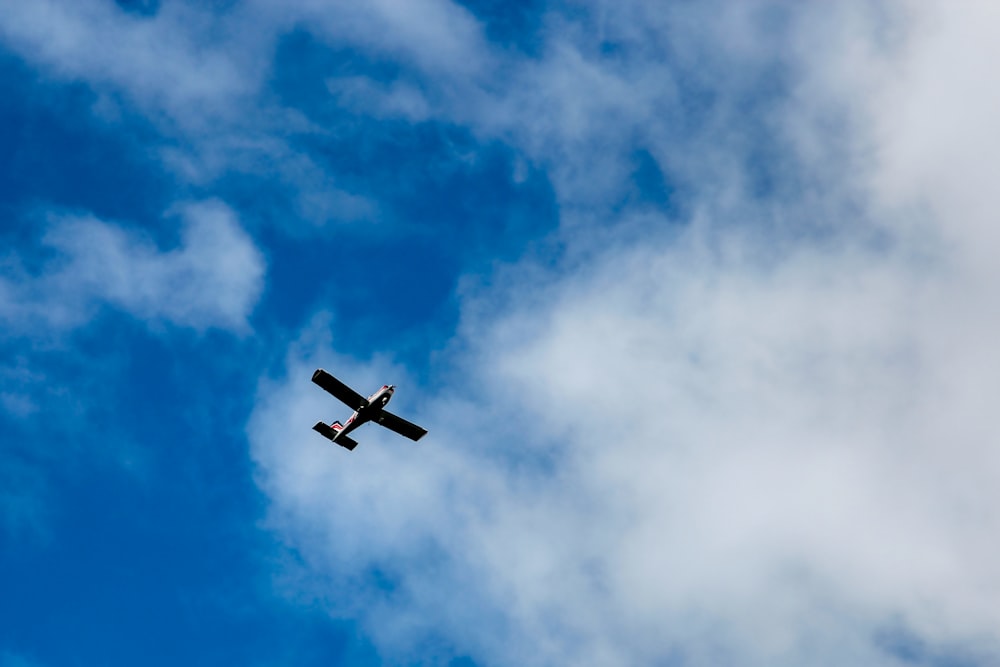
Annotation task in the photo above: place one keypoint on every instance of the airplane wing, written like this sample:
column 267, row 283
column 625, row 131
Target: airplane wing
column 330, row 434
column 353, row 399
column 401, row 426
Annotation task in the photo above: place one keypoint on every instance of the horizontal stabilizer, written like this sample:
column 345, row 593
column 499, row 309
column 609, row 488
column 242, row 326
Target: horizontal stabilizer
column 330, row 434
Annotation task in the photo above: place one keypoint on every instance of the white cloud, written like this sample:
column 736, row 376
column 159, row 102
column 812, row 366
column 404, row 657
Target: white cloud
column 212, row 279
column 740, row 445
column 202, row 77
column 169, row 65
column 767, row 439
column 437, row 36
column 199, row 76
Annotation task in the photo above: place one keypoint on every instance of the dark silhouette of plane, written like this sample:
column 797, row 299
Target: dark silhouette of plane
column 371, row 409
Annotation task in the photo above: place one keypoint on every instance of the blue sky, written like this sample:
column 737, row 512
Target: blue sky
column 695, row 299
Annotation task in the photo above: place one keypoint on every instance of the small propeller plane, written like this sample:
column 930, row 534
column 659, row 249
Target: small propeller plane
column 371, row 409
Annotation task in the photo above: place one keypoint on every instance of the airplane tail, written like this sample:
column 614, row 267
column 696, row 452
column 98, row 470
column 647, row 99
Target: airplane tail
column 332, row 433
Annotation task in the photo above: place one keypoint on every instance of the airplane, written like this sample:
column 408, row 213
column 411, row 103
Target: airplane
column 365, row 410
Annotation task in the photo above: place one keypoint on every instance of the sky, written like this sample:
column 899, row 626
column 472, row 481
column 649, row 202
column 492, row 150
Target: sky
column 697, row 301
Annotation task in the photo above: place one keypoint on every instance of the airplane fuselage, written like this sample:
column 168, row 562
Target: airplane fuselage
column 370, row 412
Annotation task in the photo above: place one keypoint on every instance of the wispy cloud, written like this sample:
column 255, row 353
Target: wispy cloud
column 763, row 439
column 200, row 78
column 212, row 279
column 167, row 64
column 752, row 427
